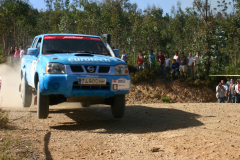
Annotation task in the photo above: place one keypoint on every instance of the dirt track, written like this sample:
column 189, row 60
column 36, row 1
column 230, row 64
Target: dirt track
column 177, row 131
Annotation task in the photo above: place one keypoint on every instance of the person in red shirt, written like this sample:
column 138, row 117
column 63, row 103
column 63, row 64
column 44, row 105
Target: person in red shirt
column 140, row 61
column 161, row 60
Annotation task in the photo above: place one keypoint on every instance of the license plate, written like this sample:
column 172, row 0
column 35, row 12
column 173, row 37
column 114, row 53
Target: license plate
column 95, row 81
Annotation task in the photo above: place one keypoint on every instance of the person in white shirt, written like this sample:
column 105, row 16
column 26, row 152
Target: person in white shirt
column 196, row 66
column 176, row 56
column 167, row 65
column 190, row 66
column 22, row 52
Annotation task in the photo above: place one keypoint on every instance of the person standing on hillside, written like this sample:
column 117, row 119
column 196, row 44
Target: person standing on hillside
column 174, row 68
column 161, row 61
column 140, row 61
column 231, row 91
column 228, row 84
column 11, row 54
column 152, row 59
column 124, row 56
column 196, row 66
column 167, row 65
column 22, row 52
column 183, row 61
column 220, row 89
column 237, row 87
column 190, row 66
column 176, row 56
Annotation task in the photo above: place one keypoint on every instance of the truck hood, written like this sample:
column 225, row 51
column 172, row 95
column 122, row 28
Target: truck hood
column 83, row 59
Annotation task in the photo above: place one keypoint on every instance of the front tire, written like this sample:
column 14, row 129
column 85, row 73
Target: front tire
column 118, row 106
column 42, row 104
column 26, row 93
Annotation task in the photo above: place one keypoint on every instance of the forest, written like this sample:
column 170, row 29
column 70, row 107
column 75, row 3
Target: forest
column 214, row 32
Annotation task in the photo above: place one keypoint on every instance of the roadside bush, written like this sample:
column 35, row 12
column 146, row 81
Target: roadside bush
column 132, row 69
column 147, row 75
column 3, row 119
column 165, row 99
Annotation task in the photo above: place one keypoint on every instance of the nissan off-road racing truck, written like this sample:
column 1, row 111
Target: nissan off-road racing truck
column 73, row 68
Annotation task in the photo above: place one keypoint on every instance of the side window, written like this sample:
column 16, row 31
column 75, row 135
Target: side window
column 39, row 44
column 35, row 42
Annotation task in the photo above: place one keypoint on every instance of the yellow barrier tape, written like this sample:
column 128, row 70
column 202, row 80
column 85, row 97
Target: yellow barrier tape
column 224, row 75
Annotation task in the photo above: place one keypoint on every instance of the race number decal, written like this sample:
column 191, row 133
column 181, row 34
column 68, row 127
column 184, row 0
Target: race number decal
column 120, row 84
column 33, row 69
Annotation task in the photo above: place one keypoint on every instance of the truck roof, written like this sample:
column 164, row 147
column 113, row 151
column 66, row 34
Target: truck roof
column 69, row 34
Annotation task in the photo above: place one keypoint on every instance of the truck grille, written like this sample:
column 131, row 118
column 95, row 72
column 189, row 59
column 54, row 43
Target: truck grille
column 103, row 69
column 76, row 68
column 91, row 87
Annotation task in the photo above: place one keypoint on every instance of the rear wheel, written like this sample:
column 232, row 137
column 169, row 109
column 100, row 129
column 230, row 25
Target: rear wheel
column 118, row 106
column 26, row 93
column 42, row 104
column 85, row 104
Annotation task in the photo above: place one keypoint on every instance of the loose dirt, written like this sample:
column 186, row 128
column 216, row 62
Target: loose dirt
column 147, row 131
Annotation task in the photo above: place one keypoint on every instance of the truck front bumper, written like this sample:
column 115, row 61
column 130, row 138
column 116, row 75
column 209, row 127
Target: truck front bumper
column 67, row 85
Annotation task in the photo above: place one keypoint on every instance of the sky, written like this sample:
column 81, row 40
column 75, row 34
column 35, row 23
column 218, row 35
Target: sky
column 166, row 5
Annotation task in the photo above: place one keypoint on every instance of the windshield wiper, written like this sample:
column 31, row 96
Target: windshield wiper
column 58, row 51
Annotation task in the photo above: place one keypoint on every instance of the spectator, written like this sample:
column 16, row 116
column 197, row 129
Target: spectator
column 237, row 92
column 226, row 88
column 17, row 52
column 161, row 60
column 11, row 52
column 167, row 65
column 176, row 56
column 190, row 66
column 228, row 84
column 174, row 68
column 152, row 58
column 228, row 81
column 22, row 52
column 220, row 93
column 183, row 61
column 196, row 66
column 231, row 93
column 124, row 56
column 140, row 61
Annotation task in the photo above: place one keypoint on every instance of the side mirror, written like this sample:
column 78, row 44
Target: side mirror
column 117, row 53
column 33, row 52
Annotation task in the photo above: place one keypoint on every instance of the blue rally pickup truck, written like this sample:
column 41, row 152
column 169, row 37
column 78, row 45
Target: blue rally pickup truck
column 73, row 68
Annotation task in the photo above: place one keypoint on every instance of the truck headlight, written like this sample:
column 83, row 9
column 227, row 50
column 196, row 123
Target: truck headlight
column 121, row 70
column 55, row 68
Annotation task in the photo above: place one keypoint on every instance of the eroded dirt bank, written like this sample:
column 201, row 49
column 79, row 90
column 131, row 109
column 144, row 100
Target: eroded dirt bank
column 177, row 91
column 177, row 131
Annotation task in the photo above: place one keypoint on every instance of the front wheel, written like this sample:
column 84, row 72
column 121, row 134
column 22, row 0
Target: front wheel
column 42, row 104
column 26, row 93
column 118, row 106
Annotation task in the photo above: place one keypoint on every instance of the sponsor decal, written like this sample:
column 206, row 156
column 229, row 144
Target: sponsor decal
column 120, row 84
column 88, row 60
column 73, row 37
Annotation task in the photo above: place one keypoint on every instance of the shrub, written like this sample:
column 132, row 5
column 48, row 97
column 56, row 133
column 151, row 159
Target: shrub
column 132, row 69
column 165, row 99
column 3, row 119
column 144, row 76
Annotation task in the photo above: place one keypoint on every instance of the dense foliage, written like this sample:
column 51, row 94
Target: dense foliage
column 213, row 32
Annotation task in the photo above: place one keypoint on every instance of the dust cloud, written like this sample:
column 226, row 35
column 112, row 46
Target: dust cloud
column 9, row 94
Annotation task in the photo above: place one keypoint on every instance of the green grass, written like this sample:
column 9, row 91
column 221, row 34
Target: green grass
column 165, row 99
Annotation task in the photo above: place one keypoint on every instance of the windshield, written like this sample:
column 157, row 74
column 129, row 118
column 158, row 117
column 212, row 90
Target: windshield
column 73, row 44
